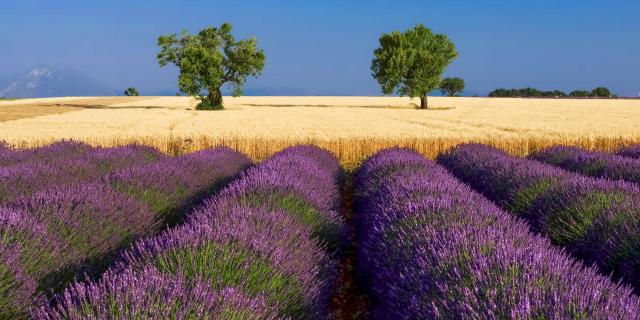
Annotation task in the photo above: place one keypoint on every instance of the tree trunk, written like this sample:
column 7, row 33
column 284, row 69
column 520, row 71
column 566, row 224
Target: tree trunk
column 215, row 98
column 423, row 102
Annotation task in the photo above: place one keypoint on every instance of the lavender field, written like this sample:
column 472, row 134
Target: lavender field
column 130, row 233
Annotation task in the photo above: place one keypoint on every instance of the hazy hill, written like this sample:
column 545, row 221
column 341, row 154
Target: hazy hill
column 46, row 82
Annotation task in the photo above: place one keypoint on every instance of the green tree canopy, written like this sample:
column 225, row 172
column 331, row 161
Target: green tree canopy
column 131, row 91
column 452, row 86
column 412, row 62
column 601, row 92
column 210, row 59
column 527, row 93
column 580, row 93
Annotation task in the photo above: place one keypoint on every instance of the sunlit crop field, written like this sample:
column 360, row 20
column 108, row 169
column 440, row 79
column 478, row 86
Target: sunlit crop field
column 351, row 127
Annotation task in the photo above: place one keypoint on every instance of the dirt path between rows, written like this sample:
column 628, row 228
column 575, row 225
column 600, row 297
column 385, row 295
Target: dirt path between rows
column 349, row 302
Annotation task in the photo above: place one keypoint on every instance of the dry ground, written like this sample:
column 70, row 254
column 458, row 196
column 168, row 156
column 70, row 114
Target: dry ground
column 15, row 112
column 353, row 127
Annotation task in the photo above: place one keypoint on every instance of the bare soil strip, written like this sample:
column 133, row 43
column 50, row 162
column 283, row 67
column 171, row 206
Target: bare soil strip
column 30, row 108
column 349, row 302
column 15, row 112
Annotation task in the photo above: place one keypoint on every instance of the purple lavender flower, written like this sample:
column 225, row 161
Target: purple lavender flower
column 322, row 158
column 304, row 184
column 109, row 159
column 173, row 185
column 594, row 219
column 7, row 154
column 67, row 227
column 270, row 186
column 24, row 179
column 17, row 287
column 91, row 221
column 40, row 250
column 591, row 163
column 150, row 294
column 430, row 247
column 64, row 226
column 65, row 149
column 631, row 152
column 264, row 252
column 61, row 148
column 52, row 166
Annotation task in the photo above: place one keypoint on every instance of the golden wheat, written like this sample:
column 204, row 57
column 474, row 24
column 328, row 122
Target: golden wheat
column 351, row 127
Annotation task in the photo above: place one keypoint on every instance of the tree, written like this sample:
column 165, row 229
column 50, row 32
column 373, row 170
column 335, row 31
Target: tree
column 526, row 93
column 601, row 92
column 580, row 94
column 210, row 59
column 530, row 93
column 412, row 62
column 452, row 86
column 498, row 93
column 131, row 91
column 558, row 93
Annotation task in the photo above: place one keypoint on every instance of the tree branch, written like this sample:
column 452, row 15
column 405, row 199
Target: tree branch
column 227, row 77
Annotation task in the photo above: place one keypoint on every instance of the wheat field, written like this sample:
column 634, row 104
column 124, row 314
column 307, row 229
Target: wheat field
column 351, row 127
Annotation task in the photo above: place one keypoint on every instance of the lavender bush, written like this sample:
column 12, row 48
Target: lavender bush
column 173, row 185
column 73, row 228
column 65, row 149
column 38, row 248
column 591, row 163
column 596, row 220
column 7, row 154
column 264, row 250
column 52, row 166
column 54, row 236
column 26, row 178
column 302, row 180
column 109, row 159
column 631, row 152
column 150, row 294
column 17, row 288
column 430, row 247
column 21, row 234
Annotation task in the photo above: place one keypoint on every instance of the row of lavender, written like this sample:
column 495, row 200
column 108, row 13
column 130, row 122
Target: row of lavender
column 430, row 247
column 624, row 165
column 597, row 220
column 68, row 208
column 24, row 172
column 631, row 152
column 265, row 247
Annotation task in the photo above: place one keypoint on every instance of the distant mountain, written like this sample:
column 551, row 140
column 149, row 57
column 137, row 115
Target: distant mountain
column 46, row 82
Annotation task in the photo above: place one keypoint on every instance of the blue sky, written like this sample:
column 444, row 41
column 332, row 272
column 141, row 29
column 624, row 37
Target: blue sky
column 325, row 47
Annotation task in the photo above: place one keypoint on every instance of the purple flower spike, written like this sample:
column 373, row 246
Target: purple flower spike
column 268, row 253
column 591, row 163
column 303, row 181
column 631, row 152
column 271, row 239
column 172, row 185
column 597, row 220
column 150, row 294
column 67, row 218
column 431, row 248
column 17, row 288
column 65, row 164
